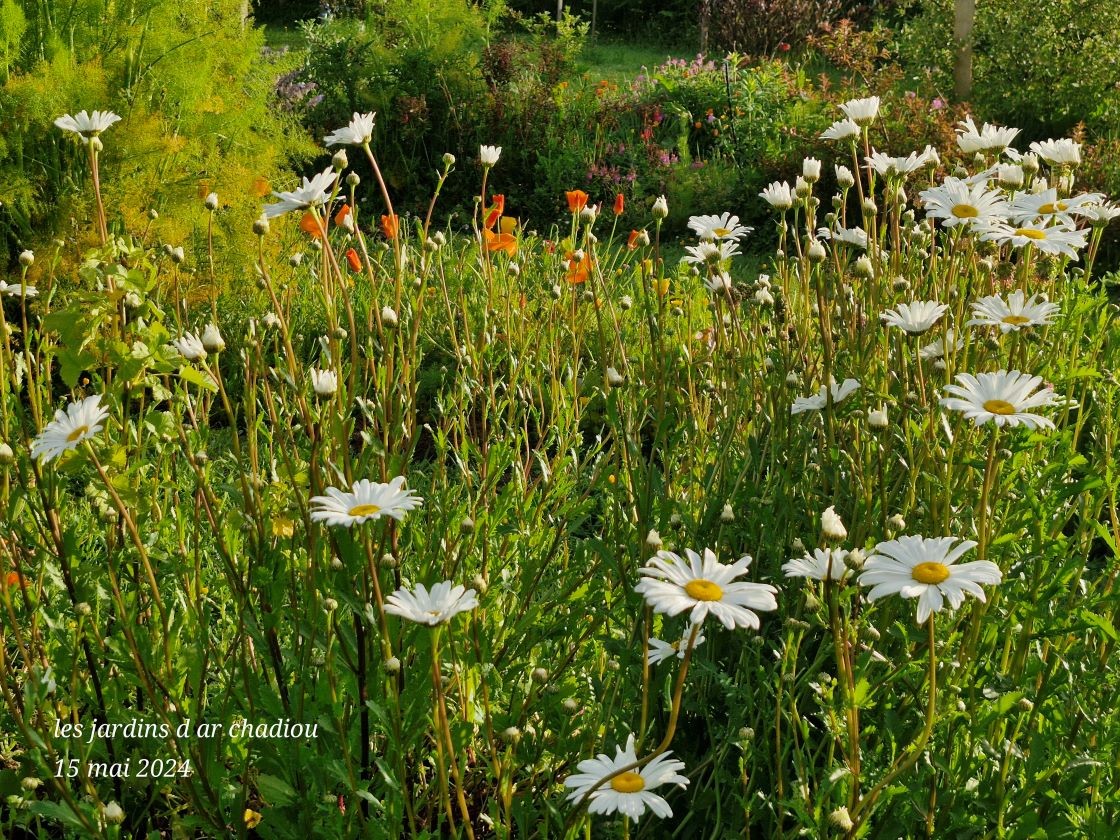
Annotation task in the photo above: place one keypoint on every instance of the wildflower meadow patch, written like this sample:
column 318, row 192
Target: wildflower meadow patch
column 473, row 530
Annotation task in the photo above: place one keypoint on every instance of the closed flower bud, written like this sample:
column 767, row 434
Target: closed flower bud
column 660, row 208
column 448, row 159
column 112, row 813
column 763, row 298
column 392, row 665
column 177, row 256
column 614, row 378
column 211, row 202
column 877, row 418
column 863, row 267
column 653, row 539
column 831, row 526
column 626, row 302
column 466, row 526
column 870, row 208
column 480, row 584
column 841, row 819
column 212, row 339
column 389, row 317
column 30, row 783
column 811, row 170
column 816, row 251
column 844, row 177
column 26, row 258
column 854, row 559
column 340, row 161
column 539, row 675
column 7, row 456
column 801, row 188
column 330, row 604
column 896, row 522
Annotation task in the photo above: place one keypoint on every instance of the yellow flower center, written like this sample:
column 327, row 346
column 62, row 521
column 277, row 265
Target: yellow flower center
column 721, row 231
column 628, row 782
column 1016, row 319
column 965, row 211
column 930, row 572
column 77, row 434
column 703, row 590
column 1056, row 207
column 999, row 407
column 363, row 510
column 1030, row 233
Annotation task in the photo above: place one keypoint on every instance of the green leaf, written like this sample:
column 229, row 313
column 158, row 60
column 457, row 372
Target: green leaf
column 275, row 791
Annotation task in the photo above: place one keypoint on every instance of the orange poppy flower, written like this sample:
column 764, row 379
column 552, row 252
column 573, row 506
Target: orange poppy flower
column 12, row 579
column 340, row 216
column 500, row 242
column 312, row 226
column 390, row 226
column 578, row 270
column 261, row 187
column 494, row 212
column 632, row 240
column 507, row 224
column 577, row 200
column 352, row 258
column 619, row 204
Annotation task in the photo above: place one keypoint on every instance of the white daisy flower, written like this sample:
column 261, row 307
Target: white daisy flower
column 1099, row 214
column 927, row 569
column 18, row 290
column 367, row 500
column 629, row 793
column 86, row 125
column 851, row 236
column 81, row 421
column 488, row 155
column 845, row 129
column 936, row 349
column 1016, row 312
column 1063, row 151
column 672, row 585
column 312, row 193
column 956, row 203
column 990, row 138
column 861, row 111
column 720, row 281
column 1046, row 206
column 324, row 382
column 819, row 400
column 915, row 317
column 724, row 226
column 1056, row 239
column 832, row 526
column 822, row 564
column 889, row 167
column 710, row 252
column 440, row 605
column 659, row 651
column 1002, row 398
column 1010, row 175
column 358, row 132
column 778, row 195
column 190, row 347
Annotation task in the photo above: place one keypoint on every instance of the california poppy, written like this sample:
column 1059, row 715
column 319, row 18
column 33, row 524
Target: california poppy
column 12, row 579
column 312, row 226
column 390, row 226
column 340, row 216
column 619, row 204
column 500, row 242
column 577, row 200
column 494, row 212
column 632, row 240
column 352, row 258
column 579, row 270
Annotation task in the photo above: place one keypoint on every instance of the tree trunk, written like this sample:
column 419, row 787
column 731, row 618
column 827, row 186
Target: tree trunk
column 705, row 21
column 964, row 16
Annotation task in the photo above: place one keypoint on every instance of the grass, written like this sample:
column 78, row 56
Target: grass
column 620, row 61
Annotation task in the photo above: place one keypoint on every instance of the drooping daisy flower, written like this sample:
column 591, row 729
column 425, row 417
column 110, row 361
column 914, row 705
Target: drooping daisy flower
column 710, row 252
column 936, row 349
column 956, row 203
column 819, row 400
column 720, row 281
column 1002, row 398
column 778, row 195
column 1056, row 239
column 704, row 586
column 1100, row 214
column 18, row 290
column 81, row 421
column 629, row 793
column 86, row 125
column 894, row 167
column 488, row 155
column 367, row 500
column 915, row 317
column 850, row 236
column 861, row 111
column 822, row 564
column 927, row 569
column 841, row 130
column 311, row 193
column 1062, row 151
column 1046, row 206
column 724, row 226
column 441, row 604
column 659, row 651
column 990, row 138
column 358, row 132
column 1016, row 312
column 190, row 347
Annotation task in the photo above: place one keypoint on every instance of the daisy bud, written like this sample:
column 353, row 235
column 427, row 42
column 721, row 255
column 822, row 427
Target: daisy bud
column 330, row 604
column 792, row 379
column 727, row 514
column 1010, row 176
column 763, row 298
column 388, row 561
column 336, row 564
column 626, row 302
column 211, row 202
column 212, row 340
column 660, row 208
column 153, row 214
column 571, row 705
column 466, row 526
column 877, row 418
column 811, row 170
column 26, row 258
column 831, row 526
column 556, row 291
column 653, row 539
column 844, row 177
column 854, row 559
column 896, row 522
column 812, row 602
column 841, row 819
column 614, row 378
column 514, row 269
column 352, row 180
column 763, row 281
column 112, row 813
column 448, row 159
column 178, row 255
column 480, row 584
column 798, row 545
column 1025, row 705
column 1029, row 163
column 588, row 214
column 439, row 238
column 816, row 251
column 392, row 665
column 30, row 783
column 389, row 317
column 746, row 733
column 801, row 188
column 324, row 382
column 7, row 456
column 869, row 207
column 540, row 675
column 340, row 161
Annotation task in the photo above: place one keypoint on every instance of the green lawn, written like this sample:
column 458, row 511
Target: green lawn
column 620, row 61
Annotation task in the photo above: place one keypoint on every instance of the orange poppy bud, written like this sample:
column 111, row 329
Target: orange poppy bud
column 352, row 258
column 390, row 226
column 577, row 200
column 632, row 240
column 619, row 204
column 311, row 225
column 340, row 216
